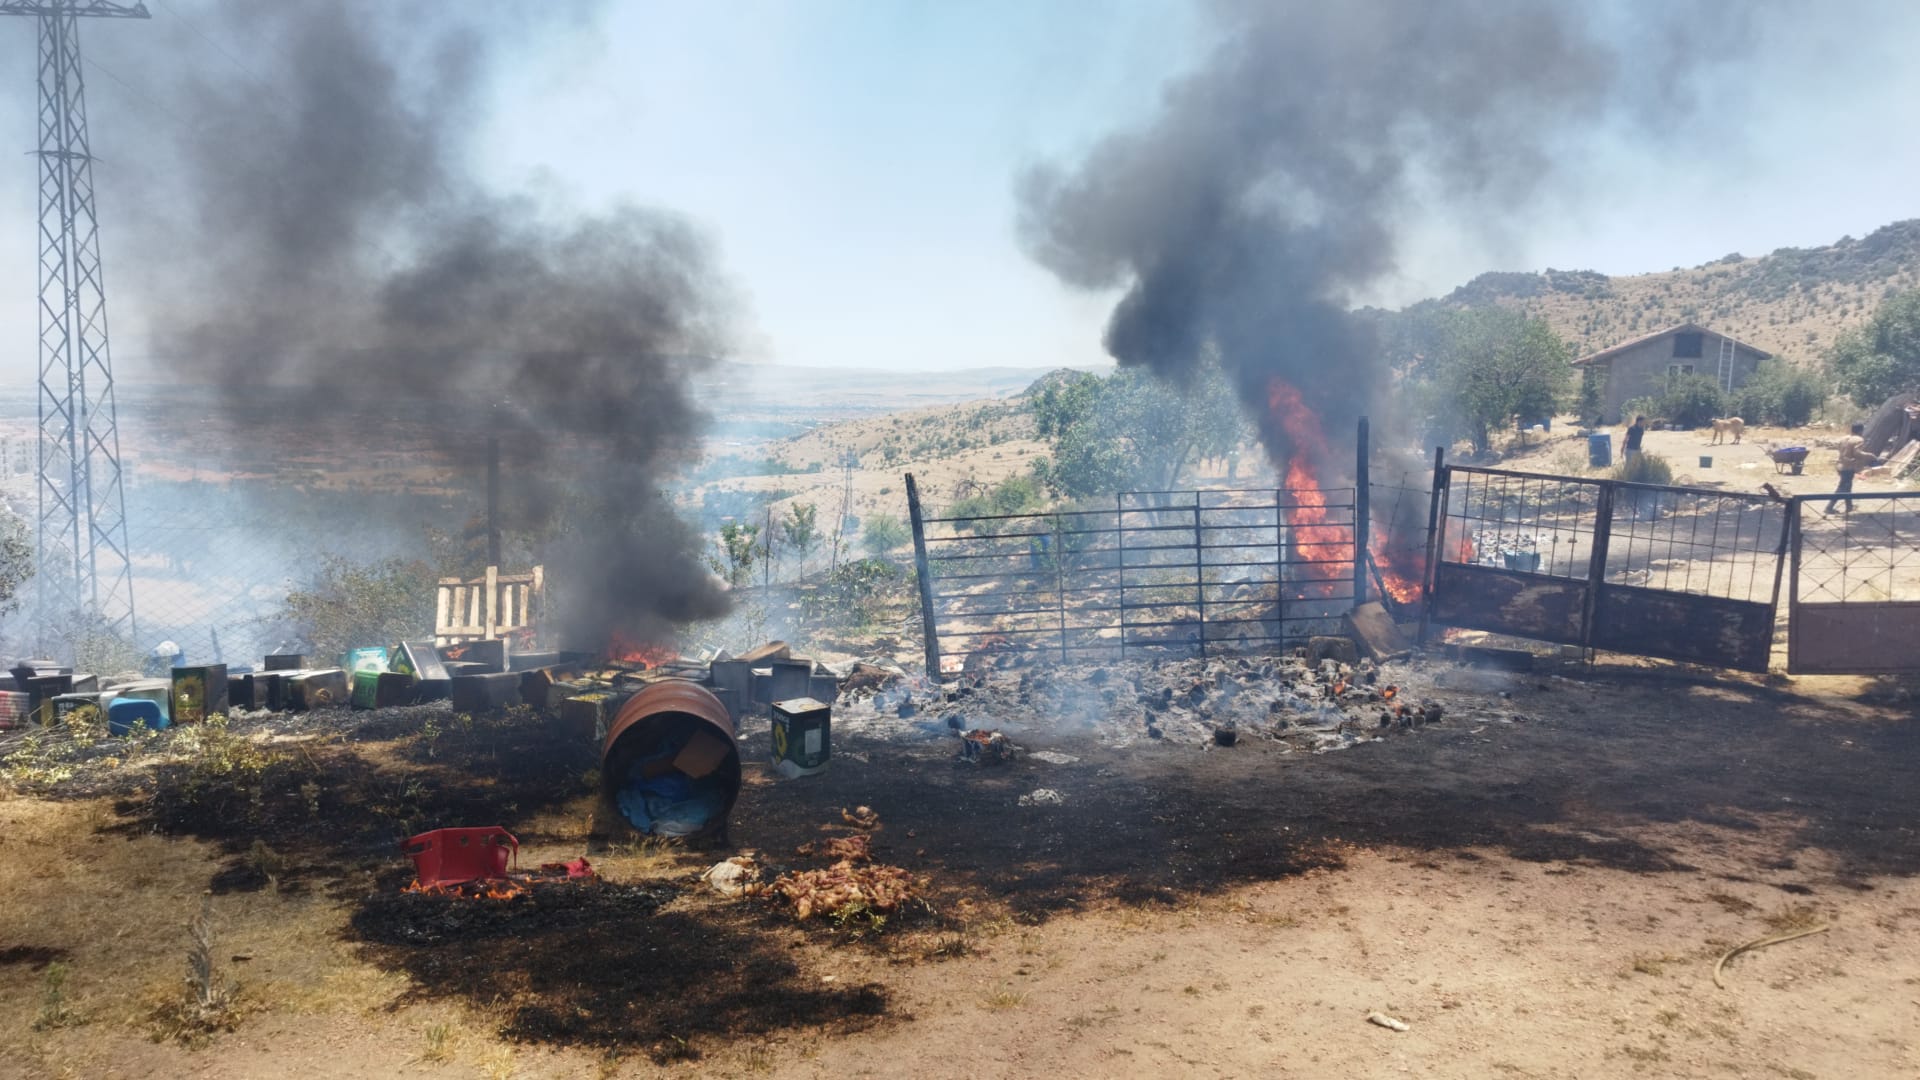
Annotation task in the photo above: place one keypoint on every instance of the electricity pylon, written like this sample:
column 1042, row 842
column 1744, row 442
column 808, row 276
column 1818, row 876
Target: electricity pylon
column 81, row 559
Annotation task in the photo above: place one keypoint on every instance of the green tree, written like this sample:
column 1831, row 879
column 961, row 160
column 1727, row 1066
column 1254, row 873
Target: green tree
column 882, row 533
column 799, row 527
column 1494, row 365
column 1691, row 400
column 1780, row 393
column 351, row 604
column 16, row 558
column 1132, row 429
column 739, row 545
column 1882, row 358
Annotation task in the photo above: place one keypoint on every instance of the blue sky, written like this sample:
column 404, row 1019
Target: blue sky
column 854, row 161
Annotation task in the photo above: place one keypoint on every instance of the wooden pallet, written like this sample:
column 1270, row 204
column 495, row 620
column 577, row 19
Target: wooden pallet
column 487, row 608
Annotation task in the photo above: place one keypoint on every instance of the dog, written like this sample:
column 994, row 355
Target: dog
column 1731, row 425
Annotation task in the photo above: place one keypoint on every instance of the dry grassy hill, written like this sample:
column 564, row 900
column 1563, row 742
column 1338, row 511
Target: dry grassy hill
column 1793, row 302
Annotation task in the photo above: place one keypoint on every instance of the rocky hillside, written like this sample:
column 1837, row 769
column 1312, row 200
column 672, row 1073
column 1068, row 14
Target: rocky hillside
column 1793, row 302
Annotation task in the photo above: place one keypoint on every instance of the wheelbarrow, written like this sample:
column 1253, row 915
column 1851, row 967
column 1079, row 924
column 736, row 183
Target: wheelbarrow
column 1789, row 459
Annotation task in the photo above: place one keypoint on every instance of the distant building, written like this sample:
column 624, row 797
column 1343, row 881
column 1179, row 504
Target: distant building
column 1638, row 368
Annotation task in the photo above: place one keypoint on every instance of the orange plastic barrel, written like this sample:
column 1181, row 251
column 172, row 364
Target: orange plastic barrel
column 666, row 712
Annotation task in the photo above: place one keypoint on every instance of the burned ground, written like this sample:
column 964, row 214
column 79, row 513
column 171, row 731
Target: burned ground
column 1642, row 769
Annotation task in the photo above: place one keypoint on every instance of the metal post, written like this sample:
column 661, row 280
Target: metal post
column 1435, row 527
column 1361, row 515
column 1060, row 584
column 1120, row 538
column 1199, row 574
column 1597, row 565
column 493, row 500
column 1793, row 586
column 1279, row 571
column 920, row 571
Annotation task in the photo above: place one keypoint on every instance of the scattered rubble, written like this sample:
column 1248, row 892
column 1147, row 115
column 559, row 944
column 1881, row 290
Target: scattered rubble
column 1322, row 697
column 734, row 877
column 1043, row 797
column 843, row 890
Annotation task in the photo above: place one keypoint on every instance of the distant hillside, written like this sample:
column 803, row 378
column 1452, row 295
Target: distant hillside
column 1793, row 302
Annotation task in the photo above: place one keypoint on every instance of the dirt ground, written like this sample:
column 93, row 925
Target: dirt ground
column 1538, row 886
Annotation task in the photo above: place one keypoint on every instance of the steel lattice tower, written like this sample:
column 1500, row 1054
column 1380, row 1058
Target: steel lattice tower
column 81, row 557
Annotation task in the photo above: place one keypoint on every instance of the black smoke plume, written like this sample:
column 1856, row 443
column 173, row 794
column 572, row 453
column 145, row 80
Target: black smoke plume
column 1273, row 184
column 325, row 233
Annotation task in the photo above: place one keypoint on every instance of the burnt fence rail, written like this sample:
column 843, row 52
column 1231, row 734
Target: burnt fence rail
column 1166, row 572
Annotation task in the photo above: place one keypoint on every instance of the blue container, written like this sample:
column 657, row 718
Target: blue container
column 125, row 712
column 1600, row 450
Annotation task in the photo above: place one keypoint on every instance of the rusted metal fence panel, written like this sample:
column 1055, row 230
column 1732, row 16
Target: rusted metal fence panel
column 1159, row 572
column 1854, row 600
column 1678, row 573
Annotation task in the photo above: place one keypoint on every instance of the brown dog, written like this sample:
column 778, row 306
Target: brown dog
column 1731, row 425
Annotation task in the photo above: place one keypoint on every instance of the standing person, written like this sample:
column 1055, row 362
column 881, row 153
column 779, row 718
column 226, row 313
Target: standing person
column 1634, row 434
column 1853, row 458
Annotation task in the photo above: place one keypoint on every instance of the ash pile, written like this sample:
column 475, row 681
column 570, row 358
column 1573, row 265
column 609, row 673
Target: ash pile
column 1312, row 699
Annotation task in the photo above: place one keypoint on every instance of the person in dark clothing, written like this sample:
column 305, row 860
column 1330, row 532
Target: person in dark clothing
column 1634, row 434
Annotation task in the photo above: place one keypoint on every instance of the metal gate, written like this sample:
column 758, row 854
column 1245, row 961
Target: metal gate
column 1182, row 572
column 1854, row 601
column 1678, row 573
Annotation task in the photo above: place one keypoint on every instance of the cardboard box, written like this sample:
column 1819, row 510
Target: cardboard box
column 703, row 753
column 288, row 661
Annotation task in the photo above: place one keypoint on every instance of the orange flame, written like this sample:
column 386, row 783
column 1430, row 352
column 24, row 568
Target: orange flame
column 628, row 651
column 1328, row 545
column 500, row 889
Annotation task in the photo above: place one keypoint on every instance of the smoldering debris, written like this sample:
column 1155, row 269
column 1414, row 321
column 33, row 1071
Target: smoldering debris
column 1306, row 704
column 1275, row 183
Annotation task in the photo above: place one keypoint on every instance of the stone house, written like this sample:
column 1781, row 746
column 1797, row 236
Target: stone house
column 1638, row 368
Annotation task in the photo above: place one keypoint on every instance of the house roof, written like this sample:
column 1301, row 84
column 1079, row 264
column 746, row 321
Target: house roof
column 1683, row 328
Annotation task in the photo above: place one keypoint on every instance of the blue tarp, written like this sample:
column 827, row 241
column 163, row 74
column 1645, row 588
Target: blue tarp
column 672, row 803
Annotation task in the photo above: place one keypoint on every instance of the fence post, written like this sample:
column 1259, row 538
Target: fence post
column 1279, row 570
column 1597, row 565
column 1199, row 573
column 921, row 572
column 1120, row 539
column 1060, row 584
column 493, row 500
column 1435, row 523
column 1362, row 527
column 1793, row 543
column 491, row 598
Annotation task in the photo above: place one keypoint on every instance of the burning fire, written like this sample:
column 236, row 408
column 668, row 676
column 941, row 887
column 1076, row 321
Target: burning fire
column 494, row 889
column 1324, row 544
column 628, row 651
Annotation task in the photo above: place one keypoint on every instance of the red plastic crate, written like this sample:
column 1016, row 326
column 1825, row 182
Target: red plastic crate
column 450, row 856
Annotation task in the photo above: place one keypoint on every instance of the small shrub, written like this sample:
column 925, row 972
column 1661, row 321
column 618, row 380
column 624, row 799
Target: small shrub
column 1644, row 468
column 54, row 1010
